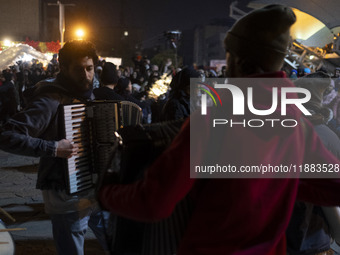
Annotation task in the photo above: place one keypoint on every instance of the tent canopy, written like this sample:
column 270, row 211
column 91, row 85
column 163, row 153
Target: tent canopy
column 18, row 52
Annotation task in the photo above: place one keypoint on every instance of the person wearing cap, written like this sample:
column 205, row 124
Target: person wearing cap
column 235, row 216
column 293, row 74
column 178, row 105
column 109, row 78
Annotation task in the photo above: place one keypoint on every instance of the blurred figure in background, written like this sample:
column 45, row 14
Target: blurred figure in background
column 109, row 79
column 309, row 230
column 9, row 98
column 178, row 104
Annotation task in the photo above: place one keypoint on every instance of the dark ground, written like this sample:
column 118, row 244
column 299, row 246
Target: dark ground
column 19, row 197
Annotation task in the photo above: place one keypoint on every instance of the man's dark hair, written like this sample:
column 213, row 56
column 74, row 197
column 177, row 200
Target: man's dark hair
column 76, row 49
column 7, row 75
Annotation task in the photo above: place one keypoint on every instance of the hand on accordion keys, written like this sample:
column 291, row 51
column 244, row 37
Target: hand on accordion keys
column 66, row 149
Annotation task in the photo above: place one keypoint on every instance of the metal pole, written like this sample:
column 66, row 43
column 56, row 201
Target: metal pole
column 61, row 22
column 61, row 19
column 176, row 62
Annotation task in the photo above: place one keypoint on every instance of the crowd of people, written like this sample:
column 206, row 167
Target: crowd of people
column 261, row 216
column 130, row 83
column 18, row 80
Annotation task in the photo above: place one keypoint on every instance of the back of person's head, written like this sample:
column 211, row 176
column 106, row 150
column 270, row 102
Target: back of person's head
column 261, row 38
column 181, row 81
column 8, row 76
column 76, row 49
column 109, row 75
column 122, row 86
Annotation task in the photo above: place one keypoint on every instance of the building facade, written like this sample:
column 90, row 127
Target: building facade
column 208, row 44
column 20, row 19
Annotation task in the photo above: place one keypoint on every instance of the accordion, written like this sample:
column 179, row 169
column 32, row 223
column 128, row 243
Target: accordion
column 93, row 126
column 141, row 145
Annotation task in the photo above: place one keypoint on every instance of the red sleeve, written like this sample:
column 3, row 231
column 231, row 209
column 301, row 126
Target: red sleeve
column 165, row 183
column 320, row 191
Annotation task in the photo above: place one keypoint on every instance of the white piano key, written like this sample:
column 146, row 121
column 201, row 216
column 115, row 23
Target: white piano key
column 75, row 179
column 79, row 170
column 74, row 189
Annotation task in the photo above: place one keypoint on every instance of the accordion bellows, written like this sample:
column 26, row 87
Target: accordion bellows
column 92, row 127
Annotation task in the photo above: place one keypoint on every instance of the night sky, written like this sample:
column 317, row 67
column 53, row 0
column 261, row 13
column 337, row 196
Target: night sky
column 152, row 16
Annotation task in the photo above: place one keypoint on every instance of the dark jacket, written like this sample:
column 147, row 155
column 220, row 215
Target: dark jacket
column 106, row 93
column 132, row 99
column 308, row 231
column 8, row 100
column 177, row 107
column 34, row 132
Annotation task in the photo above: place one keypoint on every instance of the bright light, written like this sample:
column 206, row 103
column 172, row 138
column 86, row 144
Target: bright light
column 160, row 86
column 126, row 33
column 7, row 42
column 305, row 25
column 26, row 57
column 80, row 33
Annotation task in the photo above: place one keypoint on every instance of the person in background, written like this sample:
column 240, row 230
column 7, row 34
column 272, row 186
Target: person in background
column 9, row 98
column 109, row 79
column 332, row 100
column 309, row 231
column 329, row 94
column 223, row 73
column 293, row 74
column 178, row 104
column 53, row 64
column 124, row 89
column 36, row 76
column 98, row 73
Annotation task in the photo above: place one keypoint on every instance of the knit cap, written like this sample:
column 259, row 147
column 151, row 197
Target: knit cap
column 109, row 74
column 262, row 35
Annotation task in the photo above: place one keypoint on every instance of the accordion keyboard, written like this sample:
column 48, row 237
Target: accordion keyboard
column 92, row 127
column 76, row 131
